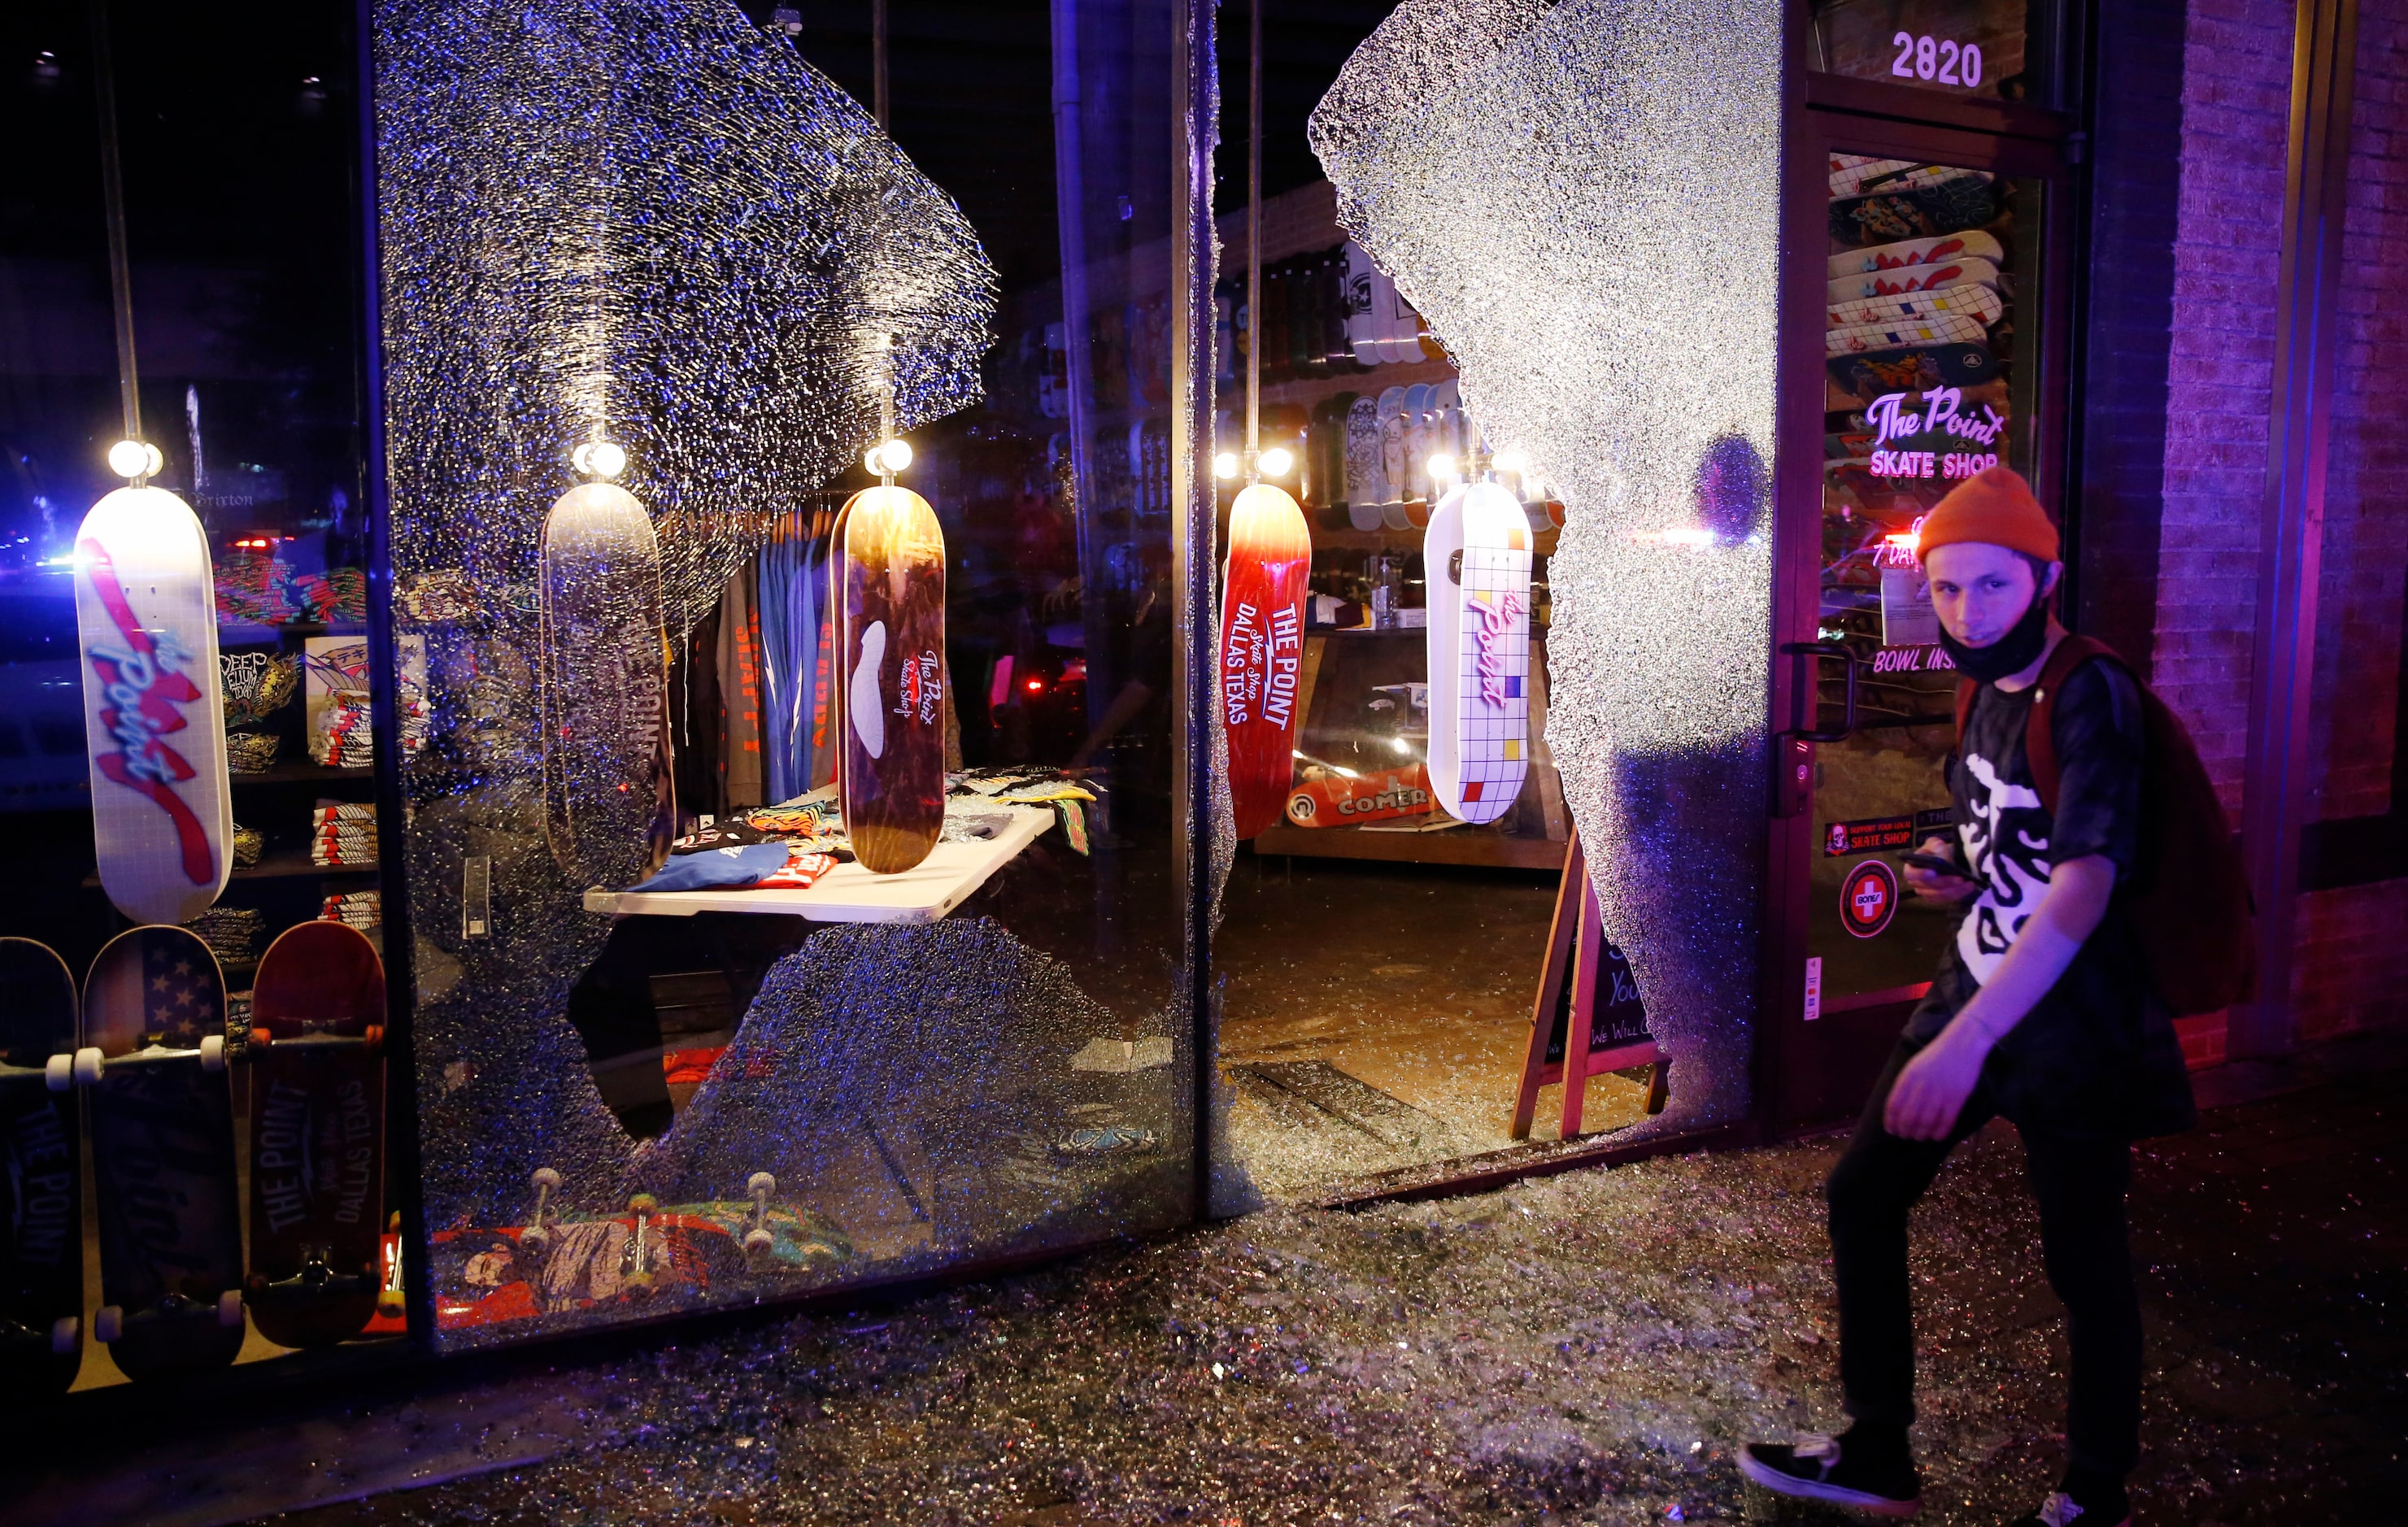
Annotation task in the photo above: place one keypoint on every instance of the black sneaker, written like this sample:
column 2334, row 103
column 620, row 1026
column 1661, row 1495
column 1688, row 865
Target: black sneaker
column 1812, row 1469
column 2059, row 1510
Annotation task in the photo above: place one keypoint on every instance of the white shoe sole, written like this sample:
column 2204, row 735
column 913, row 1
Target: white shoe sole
column 1811, row 1489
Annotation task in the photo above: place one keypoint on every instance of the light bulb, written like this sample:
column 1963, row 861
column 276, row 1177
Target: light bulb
column 1275, row 462
column 896, row 454
column 601, row 459
column 1226, row 465
column 1441, row 466
column 131, row 458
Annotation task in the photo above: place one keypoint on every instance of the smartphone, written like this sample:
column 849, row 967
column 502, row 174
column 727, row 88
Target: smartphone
column 1936, row 864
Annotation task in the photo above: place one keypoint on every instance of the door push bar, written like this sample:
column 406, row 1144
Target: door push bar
column 1793, row 753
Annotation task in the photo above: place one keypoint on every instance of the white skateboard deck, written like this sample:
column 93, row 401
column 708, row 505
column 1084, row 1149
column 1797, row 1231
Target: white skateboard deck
column 1477, row 552
column 153, row 706
column 1972, row 244
column 608, row 784
column 1980, row 303
column 1365, row 483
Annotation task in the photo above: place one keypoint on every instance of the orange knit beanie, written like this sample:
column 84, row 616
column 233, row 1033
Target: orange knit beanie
column 1994, row 507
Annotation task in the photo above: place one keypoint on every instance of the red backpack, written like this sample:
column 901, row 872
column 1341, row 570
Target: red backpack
column 2187, row 898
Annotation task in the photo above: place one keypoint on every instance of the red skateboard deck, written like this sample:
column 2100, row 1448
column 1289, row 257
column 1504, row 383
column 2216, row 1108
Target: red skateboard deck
column 154, row 718
column 606, row 768
column 1478, row 553
column 162, row 1154
column 317, row 1135
column 1262, row 650
column 566, row 1260
column 1337, row 801
column 41, row 1153
column 893, row 606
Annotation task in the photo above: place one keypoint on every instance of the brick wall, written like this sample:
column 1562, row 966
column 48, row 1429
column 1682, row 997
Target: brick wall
column 2353, row 941
column 2227, row 249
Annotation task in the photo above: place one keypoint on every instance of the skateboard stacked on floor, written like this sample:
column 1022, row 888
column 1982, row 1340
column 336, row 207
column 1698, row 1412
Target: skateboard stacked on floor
column 143, row 1062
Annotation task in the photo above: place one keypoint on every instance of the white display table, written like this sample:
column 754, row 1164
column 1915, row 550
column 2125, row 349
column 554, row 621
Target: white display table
column 849, row 893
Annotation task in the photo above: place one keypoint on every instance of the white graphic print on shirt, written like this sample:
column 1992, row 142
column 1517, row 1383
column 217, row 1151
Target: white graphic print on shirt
column 2006, row 843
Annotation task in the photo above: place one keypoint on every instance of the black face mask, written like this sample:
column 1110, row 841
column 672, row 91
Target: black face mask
column 2010, row 654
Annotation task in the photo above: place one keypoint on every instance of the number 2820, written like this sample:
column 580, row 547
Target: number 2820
column 1936, row 59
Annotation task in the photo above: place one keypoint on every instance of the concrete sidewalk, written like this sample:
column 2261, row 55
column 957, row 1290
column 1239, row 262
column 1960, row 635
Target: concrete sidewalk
column 1583, row 1349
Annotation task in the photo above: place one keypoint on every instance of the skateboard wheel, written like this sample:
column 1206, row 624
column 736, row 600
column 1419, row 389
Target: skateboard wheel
column 262, row 1038
column 535, row 1239
column 107, row 1323
column 58, row 1073
column 87, row 1065
column 66, row 1335
column 213, row 1052
column 230, row 1309
column 374, row 1037
column 758, row 1242
column 390, row 1304
column 760, row 1182
column 545, row 1177
column 643, row 1204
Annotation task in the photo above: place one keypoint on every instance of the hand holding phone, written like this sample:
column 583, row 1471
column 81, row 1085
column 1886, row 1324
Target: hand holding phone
column 1934, row 876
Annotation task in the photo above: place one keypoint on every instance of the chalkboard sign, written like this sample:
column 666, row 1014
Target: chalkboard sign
column 1621, row 1016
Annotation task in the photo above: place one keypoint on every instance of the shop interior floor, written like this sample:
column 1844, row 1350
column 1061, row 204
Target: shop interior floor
column 1408, row 982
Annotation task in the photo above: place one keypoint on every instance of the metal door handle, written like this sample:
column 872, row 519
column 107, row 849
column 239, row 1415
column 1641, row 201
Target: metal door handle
column 1803, row 650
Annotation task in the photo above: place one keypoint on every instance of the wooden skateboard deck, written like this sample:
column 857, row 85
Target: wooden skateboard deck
column 606, row 766
column 1336, row 801
column 1979, row 303
column 155, row 715
column 892, row 602
column 1262, row 650
column 565, row 1258
column 1478, row 555
column 1905, row 280
column 317, row 1135
column 153, row 1065
column 1972, row 244
column 41, row 1151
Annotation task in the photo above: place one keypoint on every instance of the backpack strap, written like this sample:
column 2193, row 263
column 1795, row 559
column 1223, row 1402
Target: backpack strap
column 2039, row 731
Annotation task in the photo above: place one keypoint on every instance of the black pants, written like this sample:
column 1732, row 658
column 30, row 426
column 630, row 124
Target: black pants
column 2080, row 1181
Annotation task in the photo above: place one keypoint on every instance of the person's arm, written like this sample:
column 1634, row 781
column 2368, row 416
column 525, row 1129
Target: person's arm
column 1932, row 1088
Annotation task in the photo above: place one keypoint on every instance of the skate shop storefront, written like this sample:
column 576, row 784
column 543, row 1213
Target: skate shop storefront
column 756, row 710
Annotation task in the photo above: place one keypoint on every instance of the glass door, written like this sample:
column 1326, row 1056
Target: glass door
column 1923, row 259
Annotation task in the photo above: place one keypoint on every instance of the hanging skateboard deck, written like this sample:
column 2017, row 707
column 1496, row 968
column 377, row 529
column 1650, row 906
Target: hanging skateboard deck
column 1905, row 253
column 893, row 601
column 1262, row 650
column 152, row 1064
column 1906, row 280
column 317, row 1135
column 155, row 715
column 1478, row 555
column 41, row 1150
column 607, row 763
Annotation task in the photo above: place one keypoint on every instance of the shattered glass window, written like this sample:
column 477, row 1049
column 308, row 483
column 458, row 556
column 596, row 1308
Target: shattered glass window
column 657, row 280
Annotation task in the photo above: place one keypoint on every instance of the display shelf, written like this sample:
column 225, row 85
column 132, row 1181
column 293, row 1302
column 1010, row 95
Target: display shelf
column 850, row 893
column 298, row 773
column 1384, row 539
column 292, row 866
column 1469, row 846
column 1311, row 390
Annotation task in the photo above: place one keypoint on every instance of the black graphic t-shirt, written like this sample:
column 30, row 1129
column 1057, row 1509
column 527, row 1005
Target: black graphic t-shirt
column 2094, row 1051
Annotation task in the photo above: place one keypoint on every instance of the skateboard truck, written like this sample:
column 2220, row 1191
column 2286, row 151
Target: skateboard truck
column 317, row 1279
column 538, row 1235
column 372, row 1038
column 637, row 1269
column 88, row 1064
column 57, row 1074
column 392, row 1303
column 59, row 1340
column 108, row 1323
column 758, row 1242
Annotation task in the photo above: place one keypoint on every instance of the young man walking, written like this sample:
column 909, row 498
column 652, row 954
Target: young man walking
column 2041, row 1011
